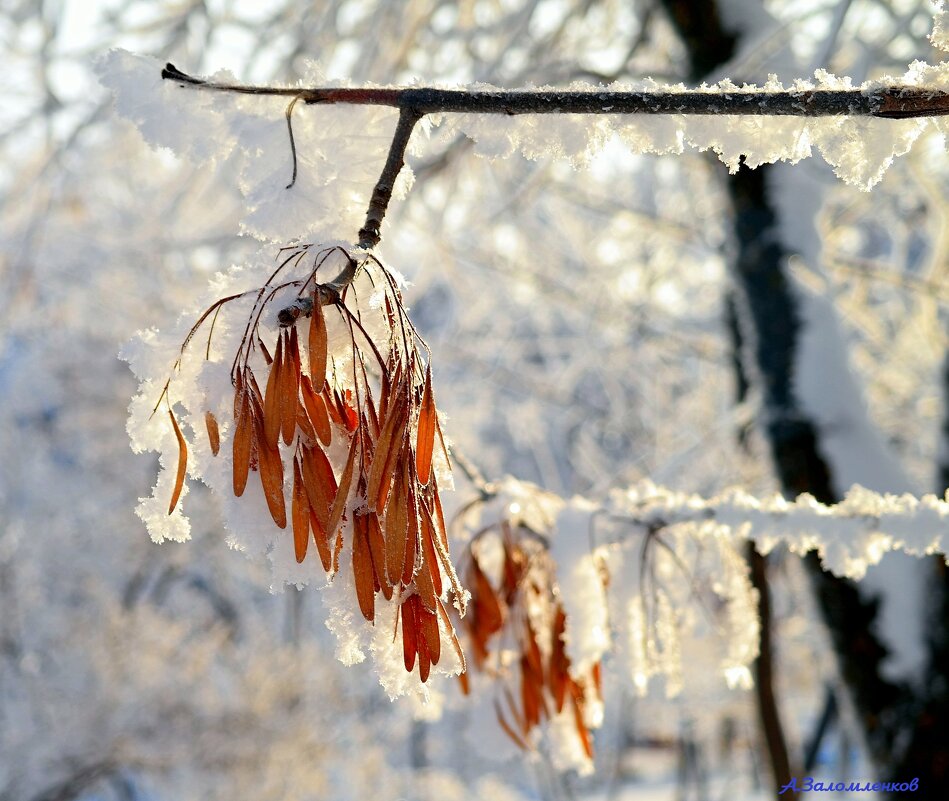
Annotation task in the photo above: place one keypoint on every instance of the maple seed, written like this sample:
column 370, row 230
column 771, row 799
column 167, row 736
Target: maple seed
column 214, row 435
column 315, row 410
column 342, row 493
column 541, row 685
column 409, row 633
column 182, row 464
column 317, row 344
column 426, row 431
column 243, row 437
column 362, row 568
column 272, row 415
column 300, row 513
column 371, row 397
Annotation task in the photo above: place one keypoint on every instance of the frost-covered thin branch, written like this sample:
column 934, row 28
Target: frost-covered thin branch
column 889, row 102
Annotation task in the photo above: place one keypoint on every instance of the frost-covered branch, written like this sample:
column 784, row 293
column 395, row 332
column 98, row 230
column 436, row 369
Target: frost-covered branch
column 849, row 536
column 889, row 102
column 645, row 571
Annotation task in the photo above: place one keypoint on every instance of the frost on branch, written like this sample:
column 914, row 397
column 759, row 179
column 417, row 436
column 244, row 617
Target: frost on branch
column 243, row 140
column 307, row 406
column 860, row 149
column 557, row 586
column 646, row 577
column 849, row 536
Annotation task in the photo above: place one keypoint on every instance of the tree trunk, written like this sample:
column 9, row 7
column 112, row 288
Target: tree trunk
column 905, row 728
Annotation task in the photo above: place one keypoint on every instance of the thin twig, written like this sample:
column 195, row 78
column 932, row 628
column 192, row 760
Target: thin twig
column 382, row 192
column 293, row 145
column 473, row 474
column 892, row 102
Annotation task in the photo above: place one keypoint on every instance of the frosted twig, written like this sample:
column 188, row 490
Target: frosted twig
column 472, row 473
column 382, row 192
column 890, row 102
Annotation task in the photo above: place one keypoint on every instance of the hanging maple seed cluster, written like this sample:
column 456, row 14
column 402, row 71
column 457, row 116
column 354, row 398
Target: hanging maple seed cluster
column 515, row 629
column 310, row 402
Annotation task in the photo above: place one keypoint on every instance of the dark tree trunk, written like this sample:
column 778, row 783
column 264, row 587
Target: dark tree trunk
column 907, row 731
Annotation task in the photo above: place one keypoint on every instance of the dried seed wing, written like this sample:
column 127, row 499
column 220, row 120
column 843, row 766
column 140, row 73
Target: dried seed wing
column 272, row 417
column 263, row 349
column 304, row 424
column 528, row 700
column 424, row 659
column 425, row 442
column 532, row 654
column 362, row 568
column 446, row 621
column 317, row 343
column 597, row 673
column 440, row 516
column 396, row 526
column 369, row 441
column 337, row 549
column 519, row 719
column 345, row 484
column 239, row 388
column 322, row 540
column 350, row 417
column 243, row 440
column 316, row 410
column 324, row 471
column 385, row 392
column 386, row 455
column 514, row 563
column 271, row 477
column 377, row 547
column 465, row 684
column 294, row 353
column 425, row 585
column 559, row 664
column 441, row 548
column 428, row 623
column 489, row 612
column 320, row 483
column 409, row 632
column 509, row 729
column 300, row 513
column 332, row 409
column 411, row 536
column 582, row 731
column 289, row 383
column 214, row 433
column 428, row 548
column 374, row 424
column 182, row 464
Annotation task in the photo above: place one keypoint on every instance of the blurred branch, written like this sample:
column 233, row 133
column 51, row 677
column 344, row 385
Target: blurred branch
column 77, row 784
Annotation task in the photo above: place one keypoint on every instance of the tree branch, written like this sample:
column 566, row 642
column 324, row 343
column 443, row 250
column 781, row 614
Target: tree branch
column 891, row 102
column 382, row 192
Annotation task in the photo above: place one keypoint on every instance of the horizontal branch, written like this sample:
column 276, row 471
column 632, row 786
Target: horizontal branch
column 891, row 102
